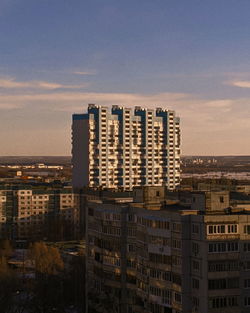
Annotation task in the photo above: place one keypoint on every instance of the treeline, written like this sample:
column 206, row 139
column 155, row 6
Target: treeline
column 194, row 182
column 52, row 286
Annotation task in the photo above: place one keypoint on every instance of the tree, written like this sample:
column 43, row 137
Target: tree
column 47, row 259
column 74, row 283
column 5, row 248
column 8, row 285
column 46, row 295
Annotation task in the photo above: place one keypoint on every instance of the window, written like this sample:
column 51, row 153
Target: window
column 166, row 276
column 176, row 279
column 195, row 229
column 247, row 283
column 195, row 248
column 223, row 283
column 177, row 297
column 176, row 227
column 246, row 247
column 116, row 217
column 223, row 302
column 220, row 247
column 223, row 266
column 222, row 229
column 196, row 265
column 232, row 301
column 195, row 283
column 195, row 302
column 232, row 246
column 159, row 258
column 176, row 260
column 247, row 301
column 233, row 283
column 167, row 296
column 159, row 240
column 176, row 243
column 232, row 228
column 108, row 216
column 155, row 291
column 131, row 248
column 111, row 260
column 221, row 199
column 131, row 263
column 247, row 265
column 131, row 232
column 111, row 230
column 247, row 229
column 156, row 308
column 130, row 218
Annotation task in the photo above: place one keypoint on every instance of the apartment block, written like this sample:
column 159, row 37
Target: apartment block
column 125, row 147
column 31, row 212
column 2, row 212
column 152, row 257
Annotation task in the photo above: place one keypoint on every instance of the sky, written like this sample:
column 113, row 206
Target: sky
column 56, row 56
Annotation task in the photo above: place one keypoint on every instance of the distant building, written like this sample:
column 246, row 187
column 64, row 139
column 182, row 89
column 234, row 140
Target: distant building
column 3, row 215
column 144, row 256
column 245, row 189
column 125, row 147
column 31, row 212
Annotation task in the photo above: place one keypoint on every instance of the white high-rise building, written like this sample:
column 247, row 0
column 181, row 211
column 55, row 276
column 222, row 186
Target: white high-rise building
column 125, row 147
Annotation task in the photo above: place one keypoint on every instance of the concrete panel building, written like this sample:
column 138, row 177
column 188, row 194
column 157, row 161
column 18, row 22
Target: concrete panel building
column 149, row 257
column 30, row 212
column 125, row 147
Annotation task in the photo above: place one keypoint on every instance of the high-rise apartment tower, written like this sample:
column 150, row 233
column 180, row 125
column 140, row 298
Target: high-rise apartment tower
column 126, row 147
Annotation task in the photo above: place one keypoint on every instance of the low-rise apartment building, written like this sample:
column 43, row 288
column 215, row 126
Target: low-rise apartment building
column 2, row 212
column 31, row 212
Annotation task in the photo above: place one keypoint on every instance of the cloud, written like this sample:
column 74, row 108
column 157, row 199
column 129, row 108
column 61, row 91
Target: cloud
column 11, row 83
column 186, row 105
column 91, row 72
column 224, row 103
column 240, row 83
column 218, row 126
column 78, row 101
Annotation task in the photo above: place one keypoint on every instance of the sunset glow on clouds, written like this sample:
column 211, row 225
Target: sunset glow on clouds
column 181, row 56
column 211, row 124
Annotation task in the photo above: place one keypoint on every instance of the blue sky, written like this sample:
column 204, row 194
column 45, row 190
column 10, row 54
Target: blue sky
column 57, row 56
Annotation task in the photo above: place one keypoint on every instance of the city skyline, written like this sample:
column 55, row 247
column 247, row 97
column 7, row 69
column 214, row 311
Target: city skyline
column 55, row 58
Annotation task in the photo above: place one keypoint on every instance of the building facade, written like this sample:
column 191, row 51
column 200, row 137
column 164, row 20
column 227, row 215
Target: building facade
column 149, row 257
column 30, row 213
column 125, row 147
column 2, row 212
